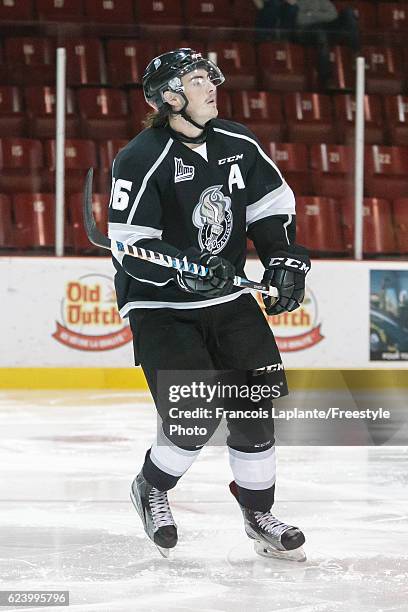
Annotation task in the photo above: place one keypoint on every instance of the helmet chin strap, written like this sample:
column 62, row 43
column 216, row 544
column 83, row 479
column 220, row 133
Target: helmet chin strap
column 179, row 135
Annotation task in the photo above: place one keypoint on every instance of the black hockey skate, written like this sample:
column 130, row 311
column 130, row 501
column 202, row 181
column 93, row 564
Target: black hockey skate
column 272, row 537
column 153, row 508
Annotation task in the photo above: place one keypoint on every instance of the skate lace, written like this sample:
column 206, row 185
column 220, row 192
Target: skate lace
column 160, row 508
column 271, row 524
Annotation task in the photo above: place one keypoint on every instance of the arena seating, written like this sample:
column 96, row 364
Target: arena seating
column 400, row 212
column 384, row 72
column 28, row 61
column 103, row 112
column 21, row 165
column 272, row 87
column 127, row 59
column 310, row 117
column 396, row 112
column 114, row 11
column 85, row 61
column 343, row 76
column 332, row 170
column 386, row 171
column 345, row 110
column 100, row 203
column 80, row 155
column 40, row 104
column 238, row 63
column 68, row 10
column 315, row 215
column 393, row 16
column 282, row 66
column 293, row 161
column 16, row 10
column 378, row 232
column 34, row 214
column 261, row 111
column 6, row 223
column 12, row 117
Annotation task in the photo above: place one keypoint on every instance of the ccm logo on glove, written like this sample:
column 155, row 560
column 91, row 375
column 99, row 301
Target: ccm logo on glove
column 291, row 263
column 288, row 275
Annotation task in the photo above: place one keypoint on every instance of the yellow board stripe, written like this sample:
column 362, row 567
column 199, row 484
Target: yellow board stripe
column 133, row 378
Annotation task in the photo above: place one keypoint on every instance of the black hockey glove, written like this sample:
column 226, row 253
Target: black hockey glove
column 220, row 274
column 286, row 270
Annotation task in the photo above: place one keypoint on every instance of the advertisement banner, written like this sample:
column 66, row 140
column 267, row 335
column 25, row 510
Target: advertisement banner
column 62, row 312
column 389, row 315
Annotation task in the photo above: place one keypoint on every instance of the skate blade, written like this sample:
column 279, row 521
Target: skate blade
column 269, row 552
column 165, row 552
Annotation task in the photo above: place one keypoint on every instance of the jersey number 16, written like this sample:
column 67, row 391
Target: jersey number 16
column 119, row 199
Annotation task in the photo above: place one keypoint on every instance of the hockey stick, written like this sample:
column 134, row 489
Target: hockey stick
column 100, row 240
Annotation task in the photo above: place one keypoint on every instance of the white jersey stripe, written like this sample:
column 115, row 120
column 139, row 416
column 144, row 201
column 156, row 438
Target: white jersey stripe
column 146, row 178
column 180, row 305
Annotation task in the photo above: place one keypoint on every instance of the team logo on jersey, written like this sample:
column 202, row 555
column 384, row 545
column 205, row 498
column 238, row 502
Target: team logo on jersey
column 213, row 217
column 157, row 63
column 182, row 172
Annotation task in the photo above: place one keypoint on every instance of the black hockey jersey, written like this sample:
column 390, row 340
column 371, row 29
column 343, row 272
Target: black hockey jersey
column 167, row 197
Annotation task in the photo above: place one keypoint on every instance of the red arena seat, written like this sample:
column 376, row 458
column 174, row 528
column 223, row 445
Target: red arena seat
column 158, row 18
column 393, row 16
column 138, row 110
column 34, row 214
column 396, row 113
column 345, row 112
column 21, row 163
column 332, row 170
column 108, row 149
column 40, row 104
column 60, row 10
column 237, row 61
column 127, row 60
column 282, row 66
column 386, row 171
column 208, row 12
column 378, row 230
column 80, row 155
column 261, row 111
column 384, row 72
column 319, row 220
column 365, row 12
column 103, row 112
column 12, row 118
column 100, row 204
column 293, row 161
column 85, row 61
column 400, row 210
column 342, row 62
column 29, row 60
column 6, row 223
column 16, row 10
column 113, row 11
column 244, row 13
column 309, row 117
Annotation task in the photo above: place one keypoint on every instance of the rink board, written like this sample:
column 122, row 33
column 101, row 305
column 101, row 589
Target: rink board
column 60, row 327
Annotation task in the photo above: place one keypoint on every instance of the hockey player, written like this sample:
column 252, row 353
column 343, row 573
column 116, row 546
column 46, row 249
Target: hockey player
column 192, row 185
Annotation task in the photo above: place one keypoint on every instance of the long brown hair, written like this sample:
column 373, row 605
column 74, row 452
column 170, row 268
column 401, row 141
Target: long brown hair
column 158, row 119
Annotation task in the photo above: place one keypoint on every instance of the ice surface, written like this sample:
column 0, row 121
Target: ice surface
column 66, row 521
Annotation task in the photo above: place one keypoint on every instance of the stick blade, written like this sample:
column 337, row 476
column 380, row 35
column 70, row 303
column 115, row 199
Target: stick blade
column 93, row 233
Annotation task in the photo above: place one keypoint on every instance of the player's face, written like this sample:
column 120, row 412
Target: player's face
column 201, row 95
